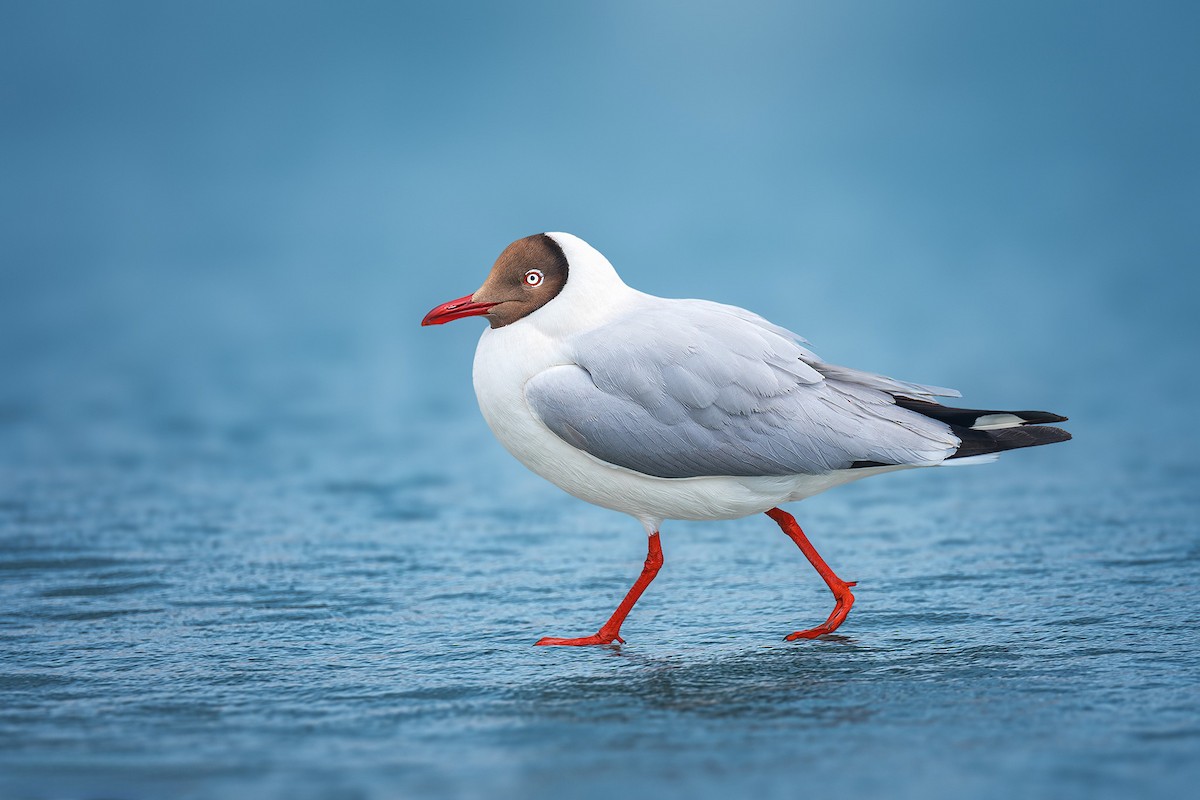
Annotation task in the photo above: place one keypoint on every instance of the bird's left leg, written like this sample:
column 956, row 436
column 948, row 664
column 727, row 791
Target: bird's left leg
column 840, row 588
column 611, row 631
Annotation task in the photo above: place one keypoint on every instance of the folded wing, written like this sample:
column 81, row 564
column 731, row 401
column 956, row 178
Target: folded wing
column 688, row 388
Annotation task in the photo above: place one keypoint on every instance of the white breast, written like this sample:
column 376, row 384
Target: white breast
column 508, row 357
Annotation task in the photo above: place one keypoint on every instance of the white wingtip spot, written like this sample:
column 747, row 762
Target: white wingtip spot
column 991, row 422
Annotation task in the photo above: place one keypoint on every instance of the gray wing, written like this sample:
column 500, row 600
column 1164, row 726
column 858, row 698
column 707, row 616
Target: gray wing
column 687, row 388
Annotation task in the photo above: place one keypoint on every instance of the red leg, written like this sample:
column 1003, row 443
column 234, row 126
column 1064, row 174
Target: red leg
column 611, row 631
column 839, row 587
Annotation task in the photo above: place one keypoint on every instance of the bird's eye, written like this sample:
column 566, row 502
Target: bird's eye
column 533, row 277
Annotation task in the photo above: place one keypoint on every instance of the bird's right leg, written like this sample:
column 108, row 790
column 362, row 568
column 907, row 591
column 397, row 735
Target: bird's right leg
column 611, row 631
column 840, row 588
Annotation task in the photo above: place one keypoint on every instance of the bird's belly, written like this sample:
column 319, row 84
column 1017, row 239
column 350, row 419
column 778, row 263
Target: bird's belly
column 506, row 359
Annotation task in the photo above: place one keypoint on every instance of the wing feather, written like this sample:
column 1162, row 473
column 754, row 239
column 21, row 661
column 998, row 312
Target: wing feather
column 685, row 388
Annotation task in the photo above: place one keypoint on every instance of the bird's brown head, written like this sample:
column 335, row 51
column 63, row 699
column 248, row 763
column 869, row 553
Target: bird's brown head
column 527, row 275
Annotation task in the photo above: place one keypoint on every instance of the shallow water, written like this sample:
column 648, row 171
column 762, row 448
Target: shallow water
column 256, row 541
column 242, row 594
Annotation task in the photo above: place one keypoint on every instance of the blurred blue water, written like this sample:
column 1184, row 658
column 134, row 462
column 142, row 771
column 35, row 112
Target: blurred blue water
column 255, row 540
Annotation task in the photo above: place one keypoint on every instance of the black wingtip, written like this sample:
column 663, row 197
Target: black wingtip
column 969, row 417
column 1038, row 417
column 977, row 443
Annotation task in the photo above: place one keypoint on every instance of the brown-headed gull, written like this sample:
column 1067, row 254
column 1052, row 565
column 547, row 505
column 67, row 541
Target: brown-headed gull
column 692, row 410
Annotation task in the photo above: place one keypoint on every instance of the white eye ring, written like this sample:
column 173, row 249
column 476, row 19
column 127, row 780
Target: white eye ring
column 534, row 277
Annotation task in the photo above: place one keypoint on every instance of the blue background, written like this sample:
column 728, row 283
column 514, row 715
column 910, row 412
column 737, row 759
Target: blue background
column 255, row 539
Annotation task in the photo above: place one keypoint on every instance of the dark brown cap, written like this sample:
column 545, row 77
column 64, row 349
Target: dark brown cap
column 527, row 275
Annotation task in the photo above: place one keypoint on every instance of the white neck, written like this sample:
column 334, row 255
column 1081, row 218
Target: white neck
column 593, row 294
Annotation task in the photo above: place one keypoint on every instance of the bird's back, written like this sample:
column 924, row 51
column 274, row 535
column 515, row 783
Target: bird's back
column 688, row 388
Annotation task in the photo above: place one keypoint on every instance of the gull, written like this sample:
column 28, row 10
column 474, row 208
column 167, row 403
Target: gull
column 693, row 410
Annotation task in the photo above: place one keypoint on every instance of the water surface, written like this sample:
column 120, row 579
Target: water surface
column 256, row 541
